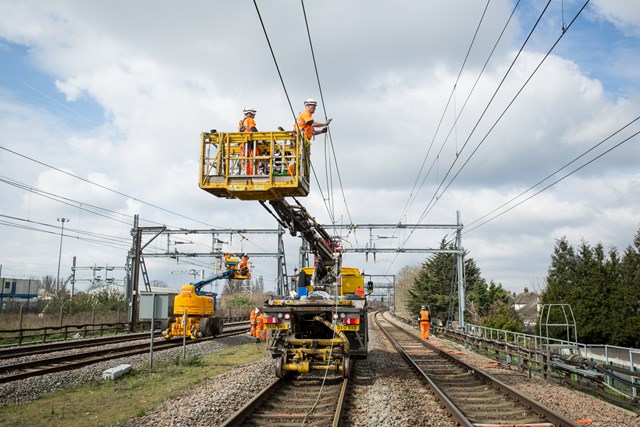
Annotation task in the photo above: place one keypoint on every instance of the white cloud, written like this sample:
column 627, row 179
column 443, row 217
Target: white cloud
column 163, row 74
column 623, row 14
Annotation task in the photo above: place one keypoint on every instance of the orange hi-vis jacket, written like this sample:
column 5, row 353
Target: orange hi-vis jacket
column 252, row 318
column 424, row 316
column 304, row 123
column 246, row 124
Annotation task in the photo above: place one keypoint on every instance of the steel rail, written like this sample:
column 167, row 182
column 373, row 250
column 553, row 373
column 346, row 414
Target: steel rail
column 18, row 371
column 545, row 413
column 269, row 406
column 32, row 349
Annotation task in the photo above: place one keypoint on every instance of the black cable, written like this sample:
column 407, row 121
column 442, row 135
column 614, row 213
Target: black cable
column 315, row 66
column 446, row 107
column 435, row 195
column 428, row 209
column 31, row 228
column 463, row 106
column 555, row 172
column 274, row 60
column 104, row 187
column 556, row 181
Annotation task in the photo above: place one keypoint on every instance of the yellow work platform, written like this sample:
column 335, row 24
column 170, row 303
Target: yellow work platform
column 255, row 165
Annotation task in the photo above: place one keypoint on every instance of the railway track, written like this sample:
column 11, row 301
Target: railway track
column 309, row 400
column 472, row 397
column 42, row 366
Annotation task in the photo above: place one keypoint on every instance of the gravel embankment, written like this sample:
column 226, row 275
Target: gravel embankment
column 576, row 405
column 33, row 388
column 386, row 391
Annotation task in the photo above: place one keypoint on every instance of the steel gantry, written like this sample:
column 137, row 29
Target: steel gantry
column 136, row 256
column 371, row 248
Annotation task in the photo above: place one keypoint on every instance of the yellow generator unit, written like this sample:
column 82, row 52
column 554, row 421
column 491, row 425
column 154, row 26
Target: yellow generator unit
column 255, row 165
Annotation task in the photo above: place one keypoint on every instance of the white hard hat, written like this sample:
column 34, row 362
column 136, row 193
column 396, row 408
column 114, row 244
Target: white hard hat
column 424, row 307
column 249, row 110
column 257, row 309
column 310, row 101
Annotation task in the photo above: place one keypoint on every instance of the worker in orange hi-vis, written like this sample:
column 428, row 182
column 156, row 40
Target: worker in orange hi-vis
column 253, row 321
column 243, row 267
column 261, row 333
column 248, row 124
column 307, row 124
column 425, row 322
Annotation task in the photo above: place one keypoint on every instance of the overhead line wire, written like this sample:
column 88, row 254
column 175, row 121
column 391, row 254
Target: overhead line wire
column 264, row 29
column 468, row 97
column 104, row 187
column 435, row 195
column 335, row 159
column 499, row 117
column 446, row 107
column 552, row 174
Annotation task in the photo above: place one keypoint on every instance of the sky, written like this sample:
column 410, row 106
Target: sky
column 488, row 110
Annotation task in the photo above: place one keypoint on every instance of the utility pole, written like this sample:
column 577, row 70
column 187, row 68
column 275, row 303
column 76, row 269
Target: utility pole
column 62, row 220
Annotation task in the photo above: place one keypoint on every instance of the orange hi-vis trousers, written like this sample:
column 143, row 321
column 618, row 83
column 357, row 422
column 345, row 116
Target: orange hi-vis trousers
column 424, row 330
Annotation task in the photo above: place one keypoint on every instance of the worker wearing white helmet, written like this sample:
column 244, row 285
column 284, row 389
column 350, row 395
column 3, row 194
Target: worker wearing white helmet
column 307, row 124
column 248, row 122
column 249, row 149
column 253, row 321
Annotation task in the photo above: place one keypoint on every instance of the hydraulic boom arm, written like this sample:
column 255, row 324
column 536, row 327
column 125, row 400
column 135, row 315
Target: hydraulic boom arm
column 322, row 245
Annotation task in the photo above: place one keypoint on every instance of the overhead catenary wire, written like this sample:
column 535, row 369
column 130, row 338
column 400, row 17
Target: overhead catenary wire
column 266, row 36
column 329, row 135
column 104, row 187
column 446, row 107
column 457, row 116
column 436, row 197
column 557, row 180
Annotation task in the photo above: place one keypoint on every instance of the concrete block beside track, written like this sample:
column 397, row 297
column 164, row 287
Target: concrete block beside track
column 117, row 372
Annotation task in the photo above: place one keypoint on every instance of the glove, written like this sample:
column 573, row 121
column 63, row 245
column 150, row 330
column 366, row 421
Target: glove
column 323, row 130
column 328, row 121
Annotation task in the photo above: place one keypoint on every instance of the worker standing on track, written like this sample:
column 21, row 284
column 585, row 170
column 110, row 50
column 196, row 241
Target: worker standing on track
column 425, row 322
column 261, row 333
column 248, row 124
column 253, row 321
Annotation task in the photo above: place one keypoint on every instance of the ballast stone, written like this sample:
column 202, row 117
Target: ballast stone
column 117, row 372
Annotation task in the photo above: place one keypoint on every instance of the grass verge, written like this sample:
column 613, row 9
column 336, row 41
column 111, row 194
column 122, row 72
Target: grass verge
column 104, row 402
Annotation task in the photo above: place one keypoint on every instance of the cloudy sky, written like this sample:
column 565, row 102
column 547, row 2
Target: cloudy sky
column 437, row 107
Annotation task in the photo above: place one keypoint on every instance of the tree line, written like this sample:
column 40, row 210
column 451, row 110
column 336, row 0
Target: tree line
column 601, row 287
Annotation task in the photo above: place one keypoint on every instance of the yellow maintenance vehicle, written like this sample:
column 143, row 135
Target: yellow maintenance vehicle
column 324, row 324
column 199, row 306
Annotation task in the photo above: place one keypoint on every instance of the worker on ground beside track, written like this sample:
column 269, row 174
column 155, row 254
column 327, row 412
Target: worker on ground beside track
column 307, row 124
column 248, row 124
column 261, row 333
column 425, row 322
column 253, row 321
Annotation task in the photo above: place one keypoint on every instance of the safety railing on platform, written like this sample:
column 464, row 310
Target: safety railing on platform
column 255, row 165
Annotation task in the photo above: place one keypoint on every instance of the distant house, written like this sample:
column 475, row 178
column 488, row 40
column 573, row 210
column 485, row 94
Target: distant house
column 527, row 306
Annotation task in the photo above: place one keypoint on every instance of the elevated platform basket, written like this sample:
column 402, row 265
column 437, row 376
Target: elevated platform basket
column 255, row 165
